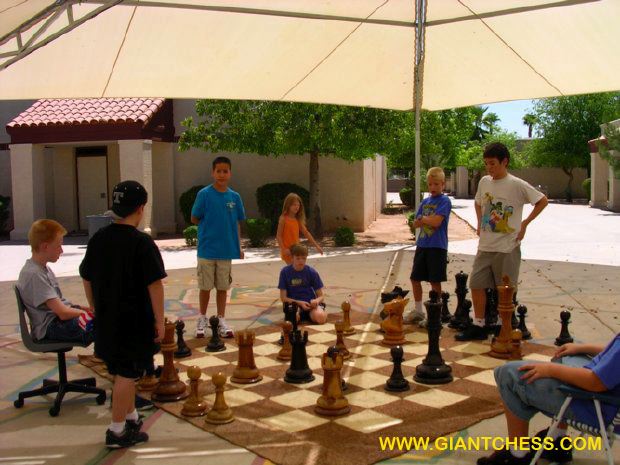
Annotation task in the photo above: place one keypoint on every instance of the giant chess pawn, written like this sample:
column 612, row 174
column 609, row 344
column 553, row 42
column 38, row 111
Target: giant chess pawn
column 460, row 319
column 564, row 337
column 299, row 372
column 220, row 413
column 246, row 371
column 194, row 406
column 286, row 350
column 215, row 343
column 433, row 370
column 503, row 346
column 182, row 349
column 397, row 381
column 445, row 311
column 169, row 388
column 290, row 314
column 522, row 311
column 332, row 402
column 490, row 309
column 342, row 348
column 346, row 318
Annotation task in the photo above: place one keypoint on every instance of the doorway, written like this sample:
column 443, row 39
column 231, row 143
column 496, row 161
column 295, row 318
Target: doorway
column 92, row 182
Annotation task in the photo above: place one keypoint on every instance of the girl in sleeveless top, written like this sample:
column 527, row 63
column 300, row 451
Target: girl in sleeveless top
column 291, row 223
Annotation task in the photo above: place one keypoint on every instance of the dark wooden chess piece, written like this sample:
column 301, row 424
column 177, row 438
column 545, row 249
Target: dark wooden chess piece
column 182, row 349
column 286, row 350
column 515, row 304
column 445, row 311
column 332, row 402
column 396, row 381
column 299, row 372
column 564, row 337
column 290, row 314
column 522, row 311
column 503, row 346
column 433, row 370
column 215, row 343
column 342, row 349
column 460, row 319
column 169, row 388
column 490, row 309
column 246, row 371
column 194, row 406
column 346, row 318
column 220, row 413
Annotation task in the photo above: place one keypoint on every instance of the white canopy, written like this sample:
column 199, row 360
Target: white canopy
column 352, row 52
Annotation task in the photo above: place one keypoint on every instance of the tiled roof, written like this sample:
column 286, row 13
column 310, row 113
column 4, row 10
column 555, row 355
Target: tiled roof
column 51, row 112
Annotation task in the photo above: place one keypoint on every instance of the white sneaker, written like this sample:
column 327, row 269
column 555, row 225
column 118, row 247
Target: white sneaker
column 224, row 329
column 200, row 326
column 414, row 317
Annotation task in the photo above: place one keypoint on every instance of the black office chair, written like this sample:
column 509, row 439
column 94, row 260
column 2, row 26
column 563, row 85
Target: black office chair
column 62, row 386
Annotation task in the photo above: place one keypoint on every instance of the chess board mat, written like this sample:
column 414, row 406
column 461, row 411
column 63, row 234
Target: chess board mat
column 276, row 420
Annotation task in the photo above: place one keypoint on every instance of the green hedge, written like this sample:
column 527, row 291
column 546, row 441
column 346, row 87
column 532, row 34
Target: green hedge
column 258, row 229
column 186, row 202
column 191, row 235
column 270, row 199
column 4, row 211
column 587, row 186
column 344, row 237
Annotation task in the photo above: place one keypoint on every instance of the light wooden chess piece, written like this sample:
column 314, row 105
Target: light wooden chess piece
column 346, row 318
column 147, row 383
column 516, row 337
column 169, row 388
column 503, row 346
column 246, row 371
column 332, row 402
column 393, row 323
column 342, row 349
column 220, row 413
column 287, row 349
column 194, row 406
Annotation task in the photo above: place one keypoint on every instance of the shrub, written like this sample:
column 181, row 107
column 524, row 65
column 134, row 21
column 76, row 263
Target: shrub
column 406, row 196
column 270, row 198
column 191, row 235
column 4, row 211
column 344, row 237
column 258, row 230
column 186, row 202
column 586, row 184
column 410, row 219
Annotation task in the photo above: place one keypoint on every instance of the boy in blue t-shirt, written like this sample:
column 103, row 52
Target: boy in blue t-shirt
column 302, row 285
column 431, row 254
column 218, row 211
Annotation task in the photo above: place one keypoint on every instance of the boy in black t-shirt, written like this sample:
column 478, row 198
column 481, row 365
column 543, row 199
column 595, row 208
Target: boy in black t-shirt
column 122, row 273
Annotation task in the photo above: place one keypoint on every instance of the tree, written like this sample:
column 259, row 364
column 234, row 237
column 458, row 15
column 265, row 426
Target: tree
column 565, row 125
column 285, row 128
column 529, row 120
column 491, row 121
column 484, row 124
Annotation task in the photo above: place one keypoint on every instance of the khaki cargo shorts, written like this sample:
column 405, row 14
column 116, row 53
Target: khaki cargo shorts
column 490, row 267
column 214, row 274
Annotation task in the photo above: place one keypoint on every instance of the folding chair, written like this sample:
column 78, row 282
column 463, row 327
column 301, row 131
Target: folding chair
column 606, row 432
column 62, row 386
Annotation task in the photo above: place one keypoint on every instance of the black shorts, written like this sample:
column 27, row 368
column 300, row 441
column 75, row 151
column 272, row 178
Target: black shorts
column 429, row 264
column 132, row 369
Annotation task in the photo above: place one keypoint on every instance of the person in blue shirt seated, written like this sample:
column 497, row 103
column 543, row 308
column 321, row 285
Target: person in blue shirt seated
column 530, row 387
column 301, row 284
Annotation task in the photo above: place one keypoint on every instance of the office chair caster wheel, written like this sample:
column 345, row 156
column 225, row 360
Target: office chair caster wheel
column 19, row 403
column 101, row 399
column 54, row 411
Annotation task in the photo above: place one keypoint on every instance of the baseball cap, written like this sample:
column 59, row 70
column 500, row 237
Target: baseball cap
column 127, row 196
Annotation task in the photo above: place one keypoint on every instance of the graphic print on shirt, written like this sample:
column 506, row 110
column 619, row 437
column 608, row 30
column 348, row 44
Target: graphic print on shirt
column 495, row 215
column 296, row 281
column 427, row 210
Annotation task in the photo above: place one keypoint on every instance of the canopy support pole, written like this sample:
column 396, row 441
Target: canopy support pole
column 418, row 79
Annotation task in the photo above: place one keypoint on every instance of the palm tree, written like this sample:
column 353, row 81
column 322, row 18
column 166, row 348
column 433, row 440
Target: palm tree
column 479, row 131
column 530, row 120
column 490, row 122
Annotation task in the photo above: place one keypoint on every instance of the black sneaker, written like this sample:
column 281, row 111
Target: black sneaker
column 128, row 438
column 558, row 454
column 135, row 425
column 504, row 457
column 472, row 333
column 143, row 405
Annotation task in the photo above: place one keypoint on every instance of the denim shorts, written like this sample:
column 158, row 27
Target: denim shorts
column 69, row 331
column 525, row 400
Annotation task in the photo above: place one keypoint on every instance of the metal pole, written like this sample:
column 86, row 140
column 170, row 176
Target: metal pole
column 418, row 77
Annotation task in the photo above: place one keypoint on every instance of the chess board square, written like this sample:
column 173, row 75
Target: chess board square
column 416, row 337
column 236, row 397
column 322, row 337
column 368, row 421
column 158, row 359
column 264, row 362
column 208, row 361
column 472, row 348
column 417, row 349
column 265, row 380
column 366, row 337
column 368, row 363
column 266, row 349
column 370, row 349
column 294, row 421
column 537, row 357
column 296, row 399
column 480, row 361
column 318, row 381
column 270, row 337
column 317, row 328
column 315, row 363
column 414, row 362
column 485, row 377
column 368, row 327
column 316, row 350
column 369, row 398
column 367, row 380
column 436, row 398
